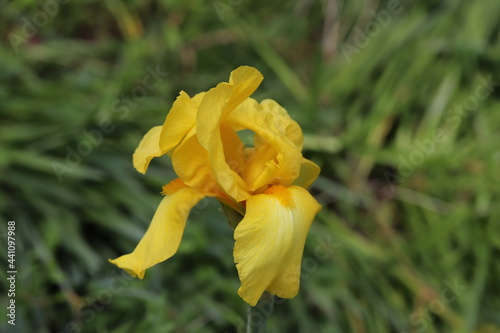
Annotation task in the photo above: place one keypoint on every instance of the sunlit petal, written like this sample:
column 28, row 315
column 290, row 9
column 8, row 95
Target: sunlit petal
column 270, row 240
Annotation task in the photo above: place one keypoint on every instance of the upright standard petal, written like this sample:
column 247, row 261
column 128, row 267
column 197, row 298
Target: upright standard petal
column 191, row 162
column 270, row 240
column 148, row 148
column 227, row 178
column 180, row 120
column 309, row 171
column 221, row 100
column 245, row 80
column 283, row 123
column 164, row 235
column 271, row 128
column 210, row 128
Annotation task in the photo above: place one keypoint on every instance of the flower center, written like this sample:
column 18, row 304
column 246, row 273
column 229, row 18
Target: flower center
column 281, row 193
column 173, row 186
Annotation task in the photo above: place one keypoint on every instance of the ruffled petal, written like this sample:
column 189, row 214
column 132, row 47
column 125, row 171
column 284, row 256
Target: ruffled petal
column 228, row 179
column 309, row 171
column 270, row 241
column 261, row 167
column 147, row 149
column 283, row 123
column 164, row 235
column 271, row 129
column 180, row 120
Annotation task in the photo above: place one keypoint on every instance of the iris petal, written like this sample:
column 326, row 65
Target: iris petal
column 234, row 149
column 216, row 105
column 220, row 101
column 309, row 171
column 261, row 167
column 271, row 128
column 283, row 123
column 147, row 149
column 191, row 163
column 180, row 120
column 245, row 80
column 228, row 179
column 164, row 235
column 270, row 240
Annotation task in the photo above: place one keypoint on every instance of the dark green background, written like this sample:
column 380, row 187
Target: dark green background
column 393, row 102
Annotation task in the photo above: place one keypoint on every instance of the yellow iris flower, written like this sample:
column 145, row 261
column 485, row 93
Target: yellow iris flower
column 265, row 183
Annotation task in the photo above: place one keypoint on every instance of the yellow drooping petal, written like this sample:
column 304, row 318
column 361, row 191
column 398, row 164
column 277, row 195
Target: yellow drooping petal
column 164, row 235
column 147, row 149
column 180, row 120
column 270, row 241
column 309, row 171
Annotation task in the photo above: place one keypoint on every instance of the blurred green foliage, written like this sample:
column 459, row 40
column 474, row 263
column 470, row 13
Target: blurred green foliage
column 393, row 99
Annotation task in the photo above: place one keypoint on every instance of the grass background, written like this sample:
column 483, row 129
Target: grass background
column 408, row 238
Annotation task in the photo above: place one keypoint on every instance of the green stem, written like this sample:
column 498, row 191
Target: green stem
column 258, row 314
